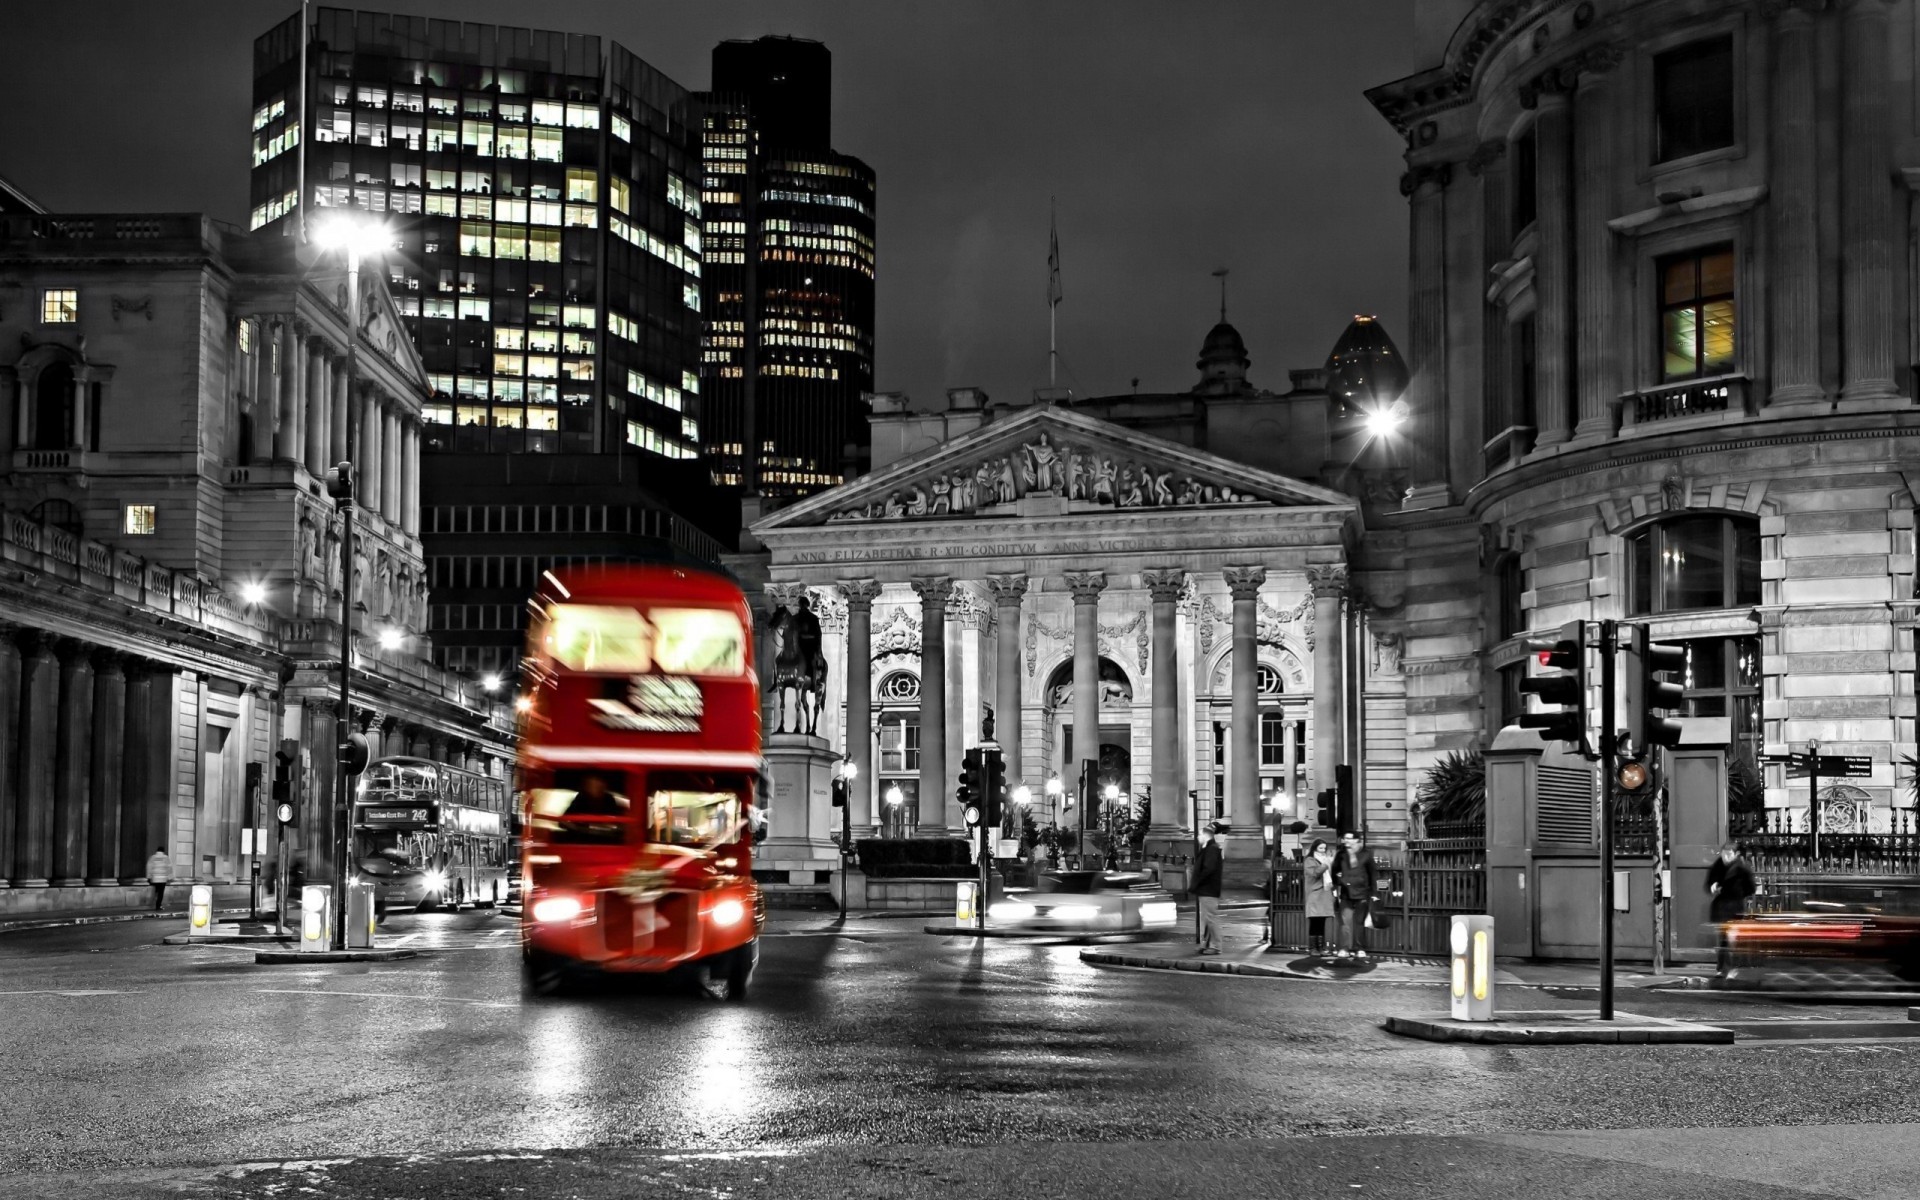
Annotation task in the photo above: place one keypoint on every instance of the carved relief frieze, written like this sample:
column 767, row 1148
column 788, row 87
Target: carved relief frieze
column 1047, row 467
column 1138, row 631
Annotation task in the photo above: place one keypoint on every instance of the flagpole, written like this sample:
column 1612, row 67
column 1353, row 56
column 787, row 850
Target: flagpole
column 1053, row 295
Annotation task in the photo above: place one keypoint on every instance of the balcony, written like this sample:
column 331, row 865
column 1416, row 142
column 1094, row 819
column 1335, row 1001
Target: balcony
column 1696, row 403
column 53, row 462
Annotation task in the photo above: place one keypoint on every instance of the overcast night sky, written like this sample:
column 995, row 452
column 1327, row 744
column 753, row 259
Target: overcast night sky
column 1177, row 139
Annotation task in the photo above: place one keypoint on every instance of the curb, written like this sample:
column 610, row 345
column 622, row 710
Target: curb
column 1514, row 1033
column 1206, row 966
column 284, row 957
column 27, row 926
column 226, row 939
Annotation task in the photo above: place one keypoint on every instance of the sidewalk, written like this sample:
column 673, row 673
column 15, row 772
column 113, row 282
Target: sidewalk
column 59, row 918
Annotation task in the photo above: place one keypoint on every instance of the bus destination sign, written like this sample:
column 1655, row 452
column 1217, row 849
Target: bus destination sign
column 371, row 814
column 654, row 704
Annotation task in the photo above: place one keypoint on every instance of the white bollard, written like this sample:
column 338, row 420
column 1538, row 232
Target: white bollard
column 316, row 918
column 1470, row 982
column 964, row 898
column 200, row 910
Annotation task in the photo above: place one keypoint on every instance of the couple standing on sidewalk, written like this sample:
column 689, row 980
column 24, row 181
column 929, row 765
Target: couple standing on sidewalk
column 1339, row 885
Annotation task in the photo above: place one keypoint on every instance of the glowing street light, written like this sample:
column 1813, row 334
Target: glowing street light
column 1111, row 793
column 491, row 683
column 1384, row 422
column 392, row 639
column 895, row 797
column 253, row 592
column 1023, row 796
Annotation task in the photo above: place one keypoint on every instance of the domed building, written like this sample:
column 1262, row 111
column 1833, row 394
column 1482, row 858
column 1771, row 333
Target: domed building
column 1154, row 583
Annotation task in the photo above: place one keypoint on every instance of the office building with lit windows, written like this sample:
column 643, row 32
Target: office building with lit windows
column 543, row 190
column 790, row 223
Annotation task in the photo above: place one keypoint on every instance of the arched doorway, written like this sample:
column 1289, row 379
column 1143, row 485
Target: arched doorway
column 1114, row 758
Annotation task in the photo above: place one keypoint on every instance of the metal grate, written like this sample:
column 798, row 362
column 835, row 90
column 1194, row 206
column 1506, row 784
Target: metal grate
column 1565, row 805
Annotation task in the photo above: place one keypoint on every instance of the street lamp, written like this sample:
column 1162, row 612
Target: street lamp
column 392, row 638
column 1387, row 420
column 491, row 683
column 253, row 592
column 355, row 234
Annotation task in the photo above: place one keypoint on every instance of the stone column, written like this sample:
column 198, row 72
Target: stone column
column 1593, row 262
column 1169, row 779
column 1489, row 163
column 272, row 352
column 39, row 721
column 10, row 705
column 1290, row 766
column 317, row 408
column 1243, row 784
column 1329, row 584
column 1793, row 294
column 860, row 594
column 337, row 451
column 1009, row 592
column 390, row 465
column 74, row 770
column 109, row 753
column 1086, row 587
column 1552, row 263
column 410, row 476
column 1866, row 204
column 935, row 783
column 287, row 401
column 367, row 487
column 1426, row 433
column 135, row 817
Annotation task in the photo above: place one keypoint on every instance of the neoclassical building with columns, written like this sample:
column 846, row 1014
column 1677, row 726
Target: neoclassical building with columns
column 171, row 394
column 1107, row 584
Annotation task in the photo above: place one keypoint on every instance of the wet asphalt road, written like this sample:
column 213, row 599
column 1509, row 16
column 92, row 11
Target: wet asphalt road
column 875, row 1060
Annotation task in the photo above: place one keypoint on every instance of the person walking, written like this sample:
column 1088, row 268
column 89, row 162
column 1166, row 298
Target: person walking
column 1206, row 886
column 1730, row 883
column 1317, row 879
column 159, row 874
column 1354, row 876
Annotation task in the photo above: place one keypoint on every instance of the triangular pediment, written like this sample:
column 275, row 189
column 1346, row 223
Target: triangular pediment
column 1068, row 459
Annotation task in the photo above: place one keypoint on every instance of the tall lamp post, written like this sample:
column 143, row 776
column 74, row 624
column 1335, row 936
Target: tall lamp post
column 355, row 234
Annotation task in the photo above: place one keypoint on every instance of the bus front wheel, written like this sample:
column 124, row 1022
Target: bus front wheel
column 544, row 974
column 737, row 971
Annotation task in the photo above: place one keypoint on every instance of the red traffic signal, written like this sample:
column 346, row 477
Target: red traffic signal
column 1567, row 692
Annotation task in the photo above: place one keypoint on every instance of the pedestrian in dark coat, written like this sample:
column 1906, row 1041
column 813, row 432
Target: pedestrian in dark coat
column 159, row 874
column 1354, row 876
column 1316, row 875
column 1730, row 883
column 1207, row 874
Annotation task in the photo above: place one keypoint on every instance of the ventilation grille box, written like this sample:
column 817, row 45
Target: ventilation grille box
column 1565, row 807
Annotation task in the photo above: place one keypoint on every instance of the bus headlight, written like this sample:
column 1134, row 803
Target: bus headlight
column 1010, row 910
column 436, row 881
column 556, row 908
column 1074, row 912
column 728, row 912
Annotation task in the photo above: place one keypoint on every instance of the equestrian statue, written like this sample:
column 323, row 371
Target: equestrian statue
column 799, row 664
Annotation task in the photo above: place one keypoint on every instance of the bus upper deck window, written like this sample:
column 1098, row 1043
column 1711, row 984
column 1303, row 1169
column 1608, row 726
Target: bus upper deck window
column 698, row 641
column 598, row 637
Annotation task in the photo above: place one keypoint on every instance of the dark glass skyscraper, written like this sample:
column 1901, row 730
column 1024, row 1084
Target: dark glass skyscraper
column 545, row 193
column 790, row 223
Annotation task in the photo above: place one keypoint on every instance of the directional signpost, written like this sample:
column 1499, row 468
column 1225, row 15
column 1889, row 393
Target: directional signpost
column 1815, row 765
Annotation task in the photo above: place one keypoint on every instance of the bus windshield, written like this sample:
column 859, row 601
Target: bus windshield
column 682, row 809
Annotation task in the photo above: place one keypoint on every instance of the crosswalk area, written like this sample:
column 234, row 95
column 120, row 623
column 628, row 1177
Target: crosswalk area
column 448, row 937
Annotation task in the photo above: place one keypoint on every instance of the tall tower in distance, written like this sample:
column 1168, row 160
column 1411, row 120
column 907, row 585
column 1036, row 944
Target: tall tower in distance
column 789, row 254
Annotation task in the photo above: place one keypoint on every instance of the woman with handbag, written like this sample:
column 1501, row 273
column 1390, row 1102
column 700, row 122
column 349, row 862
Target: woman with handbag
column 1354, row 876
column 1317, row 878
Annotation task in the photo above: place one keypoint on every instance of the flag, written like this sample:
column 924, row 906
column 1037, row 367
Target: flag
column 1054, row 294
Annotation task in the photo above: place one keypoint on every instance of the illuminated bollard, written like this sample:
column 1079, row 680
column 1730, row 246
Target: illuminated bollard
column 200, row 911
column 1470, row 982
column 963, row 901
column 316, row 918
column 360, row 915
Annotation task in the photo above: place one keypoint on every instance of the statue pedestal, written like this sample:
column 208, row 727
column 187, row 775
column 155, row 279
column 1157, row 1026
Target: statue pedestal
column 800, row 814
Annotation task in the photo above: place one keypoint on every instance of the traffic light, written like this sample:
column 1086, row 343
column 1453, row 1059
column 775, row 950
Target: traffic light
column 1657, row 697
column 340, row 481
column 1567, row 689
column 1326, row 810
column 993, row 786
column 1343, row 799
column 355, row 753
column 972, row 782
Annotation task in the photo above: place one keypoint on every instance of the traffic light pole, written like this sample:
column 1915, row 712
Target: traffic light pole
column 1609, row 767
column 343, row 804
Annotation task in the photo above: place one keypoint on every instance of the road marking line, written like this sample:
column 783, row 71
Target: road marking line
column 380, row 996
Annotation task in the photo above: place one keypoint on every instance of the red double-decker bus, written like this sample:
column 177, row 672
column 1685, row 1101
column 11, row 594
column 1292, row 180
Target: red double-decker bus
column 640, row 755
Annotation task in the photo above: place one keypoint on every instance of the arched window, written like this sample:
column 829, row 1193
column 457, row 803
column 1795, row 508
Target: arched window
column 1694, row 562
column 53, row 408
column 1267, row 681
